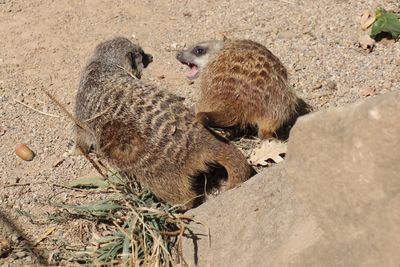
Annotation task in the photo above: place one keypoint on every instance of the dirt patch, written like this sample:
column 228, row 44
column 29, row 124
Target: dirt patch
column 45, row 44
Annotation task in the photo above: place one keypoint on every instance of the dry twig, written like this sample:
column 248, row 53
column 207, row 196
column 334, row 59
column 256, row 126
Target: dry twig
column 34, row 109
column 127, row 71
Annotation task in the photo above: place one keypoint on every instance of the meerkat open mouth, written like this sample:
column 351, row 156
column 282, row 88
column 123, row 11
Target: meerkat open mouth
column 194, row 71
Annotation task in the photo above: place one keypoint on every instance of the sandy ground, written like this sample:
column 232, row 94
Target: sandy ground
column 45, row 44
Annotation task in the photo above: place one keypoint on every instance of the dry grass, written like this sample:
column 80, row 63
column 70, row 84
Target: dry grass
column 128, row 227
column 142, row 231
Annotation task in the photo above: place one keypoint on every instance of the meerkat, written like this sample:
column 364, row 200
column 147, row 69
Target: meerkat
column 145, row 131
column 241, row 84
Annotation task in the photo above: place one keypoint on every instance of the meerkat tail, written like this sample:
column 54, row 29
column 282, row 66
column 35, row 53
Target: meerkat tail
column 234, row 163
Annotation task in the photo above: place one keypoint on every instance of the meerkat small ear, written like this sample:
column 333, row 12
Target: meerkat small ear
column 132, row 60
column 136, row 61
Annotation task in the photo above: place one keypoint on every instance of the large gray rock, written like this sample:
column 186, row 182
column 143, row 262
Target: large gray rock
column 249, row 224
column 345, row 166
column 335, row 202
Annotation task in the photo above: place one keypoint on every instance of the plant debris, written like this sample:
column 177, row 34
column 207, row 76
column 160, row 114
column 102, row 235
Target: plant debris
column 141, row 231
column 367, row 19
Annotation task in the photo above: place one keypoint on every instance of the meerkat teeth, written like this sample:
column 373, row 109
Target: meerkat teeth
column 192, row 74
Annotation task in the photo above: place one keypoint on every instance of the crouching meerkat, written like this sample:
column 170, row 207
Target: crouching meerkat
column 241, row 84
column 146, row 132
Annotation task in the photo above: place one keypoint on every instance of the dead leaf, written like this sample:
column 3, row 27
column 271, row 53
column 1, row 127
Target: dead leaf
column 367, row 19
column 366, row 42
column 270, row 150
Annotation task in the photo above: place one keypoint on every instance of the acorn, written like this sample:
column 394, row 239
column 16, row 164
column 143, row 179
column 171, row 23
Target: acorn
column 24, row 152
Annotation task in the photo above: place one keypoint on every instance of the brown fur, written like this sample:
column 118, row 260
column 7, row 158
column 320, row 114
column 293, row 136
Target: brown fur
column 147, row 132
column 242, row 84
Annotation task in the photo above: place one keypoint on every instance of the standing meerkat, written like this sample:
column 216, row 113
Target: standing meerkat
column 242, row 84
column 146, row 132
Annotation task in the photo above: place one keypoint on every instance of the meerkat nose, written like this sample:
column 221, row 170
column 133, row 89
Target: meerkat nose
column 179, row 55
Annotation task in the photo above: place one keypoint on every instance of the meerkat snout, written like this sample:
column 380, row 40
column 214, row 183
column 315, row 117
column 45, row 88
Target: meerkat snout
column 179, row 55
column 147, row 59
column 198, row 56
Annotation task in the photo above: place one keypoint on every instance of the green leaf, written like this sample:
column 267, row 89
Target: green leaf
column 99, row 208
column 126, row 250
column 89, row 182
column 387, row 22
column 24, row 213
column 98, row 181
column 108, row 239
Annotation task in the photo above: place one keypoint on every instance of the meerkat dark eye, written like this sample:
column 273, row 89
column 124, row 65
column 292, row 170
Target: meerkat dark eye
column 199, row 51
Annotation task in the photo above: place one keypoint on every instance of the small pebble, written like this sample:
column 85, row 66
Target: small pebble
column 331, row 85
column 366, row 42
column 174, row 46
